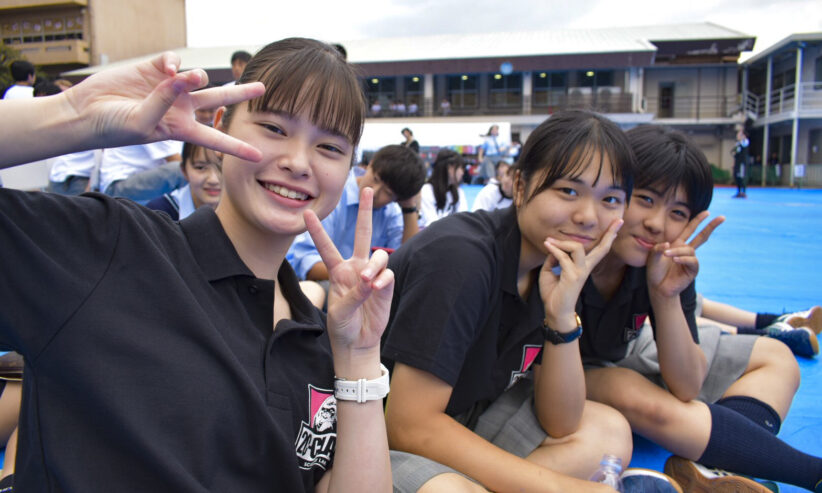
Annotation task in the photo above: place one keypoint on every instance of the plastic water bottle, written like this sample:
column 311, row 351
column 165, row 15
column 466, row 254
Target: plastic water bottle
column 609, row 471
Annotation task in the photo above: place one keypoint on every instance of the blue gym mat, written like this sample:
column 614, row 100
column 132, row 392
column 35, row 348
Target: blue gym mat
column 766, row 257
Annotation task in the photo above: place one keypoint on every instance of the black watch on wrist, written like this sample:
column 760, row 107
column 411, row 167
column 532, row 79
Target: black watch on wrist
column 409, row 210
column 556, row 338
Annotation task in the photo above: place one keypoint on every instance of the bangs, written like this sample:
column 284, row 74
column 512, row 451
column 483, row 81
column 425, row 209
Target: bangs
column 323, row 90
column 569, row 148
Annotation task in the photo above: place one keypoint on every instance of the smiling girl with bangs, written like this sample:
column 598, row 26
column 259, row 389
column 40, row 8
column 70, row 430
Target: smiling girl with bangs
column 210, row 370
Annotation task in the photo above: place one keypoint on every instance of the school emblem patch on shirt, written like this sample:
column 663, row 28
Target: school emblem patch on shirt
column 318, row 437
column 631, row 333
column 529, row 354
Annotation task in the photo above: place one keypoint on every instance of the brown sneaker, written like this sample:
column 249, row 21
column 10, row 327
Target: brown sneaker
column 811, row 319
column 696, row 478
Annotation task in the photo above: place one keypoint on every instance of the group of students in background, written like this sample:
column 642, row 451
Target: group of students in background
column 523, row 341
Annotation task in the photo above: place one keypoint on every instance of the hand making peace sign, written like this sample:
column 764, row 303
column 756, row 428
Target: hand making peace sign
column 673, row 266
column 359, row 296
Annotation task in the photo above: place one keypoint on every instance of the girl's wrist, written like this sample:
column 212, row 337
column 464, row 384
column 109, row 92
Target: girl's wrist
column 353, row 364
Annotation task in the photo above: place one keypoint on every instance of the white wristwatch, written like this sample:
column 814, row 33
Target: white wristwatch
column 362, row 390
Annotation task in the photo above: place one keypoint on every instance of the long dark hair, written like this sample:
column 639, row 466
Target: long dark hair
column 446, row 160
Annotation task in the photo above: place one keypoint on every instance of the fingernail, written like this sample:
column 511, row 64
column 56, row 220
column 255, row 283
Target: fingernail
column 367, row 273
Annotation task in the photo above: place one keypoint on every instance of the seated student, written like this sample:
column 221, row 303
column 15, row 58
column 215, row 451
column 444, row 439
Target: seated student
column 797, row 330
column 718, row 401
column 497, row 194
column 442, row 195
column 487, row 381
column 141, row 172
column 396, row 174
column 202, row 169
column 211, row 371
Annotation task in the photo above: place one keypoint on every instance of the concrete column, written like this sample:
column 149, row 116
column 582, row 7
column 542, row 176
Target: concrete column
column 428, row 106
column 796, row 97
column 527, row 92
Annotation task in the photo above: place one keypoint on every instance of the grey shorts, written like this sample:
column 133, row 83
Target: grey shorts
column 727, row 356
column 509, row 423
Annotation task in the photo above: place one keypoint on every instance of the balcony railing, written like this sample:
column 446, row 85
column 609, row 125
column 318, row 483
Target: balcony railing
column 783, row 100
column 64, row 52
column 692, row 107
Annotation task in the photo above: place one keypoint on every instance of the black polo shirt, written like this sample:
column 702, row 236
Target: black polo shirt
column 608, row 326
column 151, row 363
column 456, row 312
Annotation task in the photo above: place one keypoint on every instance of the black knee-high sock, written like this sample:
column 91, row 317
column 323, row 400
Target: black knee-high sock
column 765, row 319
column 738, row 445
column 757, row 411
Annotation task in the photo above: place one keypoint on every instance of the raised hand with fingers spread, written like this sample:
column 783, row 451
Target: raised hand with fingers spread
column 136, row 104
column 672, row 266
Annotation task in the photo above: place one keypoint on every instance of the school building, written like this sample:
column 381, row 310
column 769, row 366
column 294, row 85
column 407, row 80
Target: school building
column 58, row 35
column 783, row 94
column 687, row 76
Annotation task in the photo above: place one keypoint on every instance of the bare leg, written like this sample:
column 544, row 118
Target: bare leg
column 602, row 430
column 772, row 376
column 681, row 427
column 727, row 314
column 725, row 328
column 10, row 409
column 11, row 456
column 451, row 482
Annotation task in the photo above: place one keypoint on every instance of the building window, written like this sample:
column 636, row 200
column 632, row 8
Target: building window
column 549, row 88
column 381, row 90
column 413, row 85
column 596, row 78
column 462, row 91
column 506, row 91
column 817, row 74
column 38, row 29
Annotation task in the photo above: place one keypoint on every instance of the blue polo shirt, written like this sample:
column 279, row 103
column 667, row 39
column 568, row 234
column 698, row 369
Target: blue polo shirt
column 341, row 225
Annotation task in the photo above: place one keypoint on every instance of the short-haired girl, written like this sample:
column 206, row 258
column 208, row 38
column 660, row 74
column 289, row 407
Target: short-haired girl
column 711, row 400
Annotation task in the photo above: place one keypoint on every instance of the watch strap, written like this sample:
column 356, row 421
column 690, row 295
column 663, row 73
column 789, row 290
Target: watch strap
column 556, row 337
column 362, row 390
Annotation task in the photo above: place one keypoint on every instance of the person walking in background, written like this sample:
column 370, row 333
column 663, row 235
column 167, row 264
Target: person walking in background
column 492, row 151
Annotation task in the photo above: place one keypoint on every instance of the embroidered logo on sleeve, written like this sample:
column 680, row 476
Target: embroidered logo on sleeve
column 631, row 333
column 317, row 437
column 529, row 354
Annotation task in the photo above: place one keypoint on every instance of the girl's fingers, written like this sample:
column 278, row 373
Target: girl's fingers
column 604, row 245
column 376, row 264
column 692, row 225
column 680, row 251
column 167, row 63
column 227, row 95
column 325, row 247
column 362, row 234
column 706, row 232
column 219, row 141
column 384, row 283
column 560, row 254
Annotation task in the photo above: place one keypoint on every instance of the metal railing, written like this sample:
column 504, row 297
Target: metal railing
column 783, row 99
column 693, row 107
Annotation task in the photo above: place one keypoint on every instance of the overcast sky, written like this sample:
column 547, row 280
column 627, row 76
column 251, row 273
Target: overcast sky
column 241, row 22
